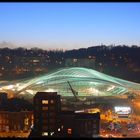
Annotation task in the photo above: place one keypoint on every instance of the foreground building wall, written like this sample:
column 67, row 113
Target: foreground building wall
column 16, row 121
column 79, row 124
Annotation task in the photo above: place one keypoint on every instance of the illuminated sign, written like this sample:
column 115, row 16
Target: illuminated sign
column 120, row 110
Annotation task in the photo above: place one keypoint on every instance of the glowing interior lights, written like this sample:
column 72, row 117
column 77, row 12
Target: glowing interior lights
column 110, row 88
column 45, row 101
column 87, row 82
column 10, row 86
column 50, row 90
column 79, row 111
column 93, row 110
column 52, row 133
column 93, row 90
column 45, row 134
column 17, row 85
column 69, row 131
column 22, row 93
column 40, row 82
column 20, row 88
column 13, row 89
column 30, row 91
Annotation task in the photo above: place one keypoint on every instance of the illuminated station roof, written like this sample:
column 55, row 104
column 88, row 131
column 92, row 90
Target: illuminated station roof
column 87, row 82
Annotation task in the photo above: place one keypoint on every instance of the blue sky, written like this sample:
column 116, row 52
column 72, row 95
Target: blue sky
column 69, row 25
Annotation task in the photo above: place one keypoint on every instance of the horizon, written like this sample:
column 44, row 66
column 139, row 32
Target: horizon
column 68, row 26
column 7, row 45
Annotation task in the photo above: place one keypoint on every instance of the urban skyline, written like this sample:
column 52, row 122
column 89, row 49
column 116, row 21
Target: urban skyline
column 69, row 25
column 69, row 70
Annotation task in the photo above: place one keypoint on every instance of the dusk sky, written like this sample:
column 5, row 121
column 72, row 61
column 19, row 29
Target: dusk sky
column 69, row 25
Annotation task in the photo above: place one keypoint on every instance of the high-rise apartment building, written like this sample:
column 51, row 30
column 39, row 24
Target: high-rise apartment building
column 51, row 121
column 46, row 108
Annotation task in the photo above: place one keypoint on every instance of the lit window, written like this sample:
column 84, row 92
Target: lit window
column 69, row 131
column 44, row 101
column 52, row 101
column 45, row 134
column 44, row 108
column 51, row 133
column 35, row 60
column 74, row 60
column 62, row 126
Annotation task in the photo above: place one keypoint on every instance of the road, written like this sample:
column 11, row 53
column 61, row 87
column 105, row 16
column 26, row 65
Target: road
column 123, row 131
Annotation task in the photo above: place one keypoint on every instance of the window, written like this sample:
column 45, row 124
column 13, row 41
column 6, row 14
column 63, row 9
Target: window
column 44, row 115
column 36, row 101
column 52, row 114
column 44, row 101
column 51, row 120
column 36, row 120
column 45, row 127
column 52, row 108
column 94, row 132
column 52, row 133
column 52, row 127
column 44, row 108
column 62, row 126
column 45, row 121
column 94, row 126
column 94, row 121
column 7, row 121
column 69, row 131
column 45, row 134
column 52, row 101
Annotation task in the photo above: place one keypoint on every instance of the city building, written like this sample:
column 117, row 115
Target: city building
column 47, row 105
column 3, row 98
column 79, row 124
column 51, row 121
column 83, row 62
column 16, row 121
column 66, row 124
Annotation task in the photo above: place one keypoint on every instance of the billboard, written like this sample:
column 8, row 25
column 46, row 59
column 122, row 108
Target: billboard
column 122, row 110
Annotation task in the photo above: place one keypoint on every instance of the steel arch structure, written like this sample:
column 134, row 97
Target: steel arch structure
column 87, row 82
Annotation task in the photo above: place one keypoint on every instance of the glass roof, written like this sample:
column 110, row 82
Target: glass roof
column 87, row 82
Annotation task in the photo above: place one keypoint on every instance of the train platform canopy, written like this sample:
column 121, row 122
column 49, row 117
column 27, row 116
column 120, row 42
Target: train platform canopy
column 86, row 82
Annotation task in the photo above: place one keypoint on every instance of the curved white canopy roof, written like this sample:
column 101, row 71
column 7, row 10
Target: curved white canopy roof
column 87, row 82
